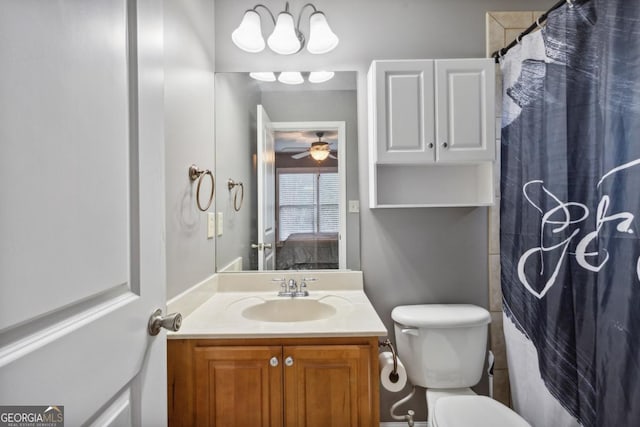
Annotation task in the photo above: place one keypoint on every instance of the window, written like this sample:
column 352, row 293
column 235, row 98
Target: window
column 308, row 201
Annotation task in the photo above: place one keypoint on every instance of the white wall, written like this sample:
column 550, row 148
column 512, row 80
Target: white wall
column 237, row 96
column 408, row 256
column 189, row 66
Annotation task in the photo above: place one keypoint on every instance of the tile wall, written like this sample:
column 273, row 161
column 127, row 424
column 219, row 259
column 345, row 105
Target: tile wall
column 502, row 28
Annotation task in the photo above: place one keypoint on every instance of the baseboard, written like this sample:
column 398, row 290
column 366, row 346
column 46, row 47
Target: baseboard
column 403, row 424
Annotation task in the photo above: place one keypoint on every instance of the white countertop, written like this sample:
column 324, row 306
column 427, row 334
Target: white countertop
column 220, row 316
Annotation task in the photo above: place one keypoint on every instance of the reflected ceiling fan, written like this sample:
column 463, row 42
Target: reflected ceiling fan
column 319, row 150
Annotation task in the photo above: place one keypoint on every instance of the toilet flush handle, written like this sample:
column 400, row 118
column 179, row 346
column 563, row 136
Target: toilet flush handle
column 410, row 331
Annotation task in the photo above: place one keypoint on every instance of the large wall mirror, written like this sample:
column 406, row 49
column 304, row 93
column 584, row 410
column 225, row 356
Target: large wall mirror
column 286, row 169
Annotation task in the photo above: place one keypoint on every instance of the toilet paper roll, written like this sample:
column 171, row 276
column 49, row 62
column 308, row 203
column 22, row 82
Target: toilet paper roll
column 385, row 360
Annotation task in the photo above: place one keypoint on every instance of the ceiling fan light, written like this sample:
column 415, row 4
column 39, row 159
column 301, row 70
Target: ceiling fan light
column 291, row 78
column 319, row 155
column 263, row 76
column 319, row 150
column 284, row 39
column 320, row 76
column 248, row 35
column 321, row 38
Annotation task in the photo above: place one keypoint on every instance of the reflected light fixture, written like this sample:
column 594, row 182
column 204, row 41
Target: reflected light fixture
column 286, row 38
column 320, row 76
column 263, row 76
column 291, row 77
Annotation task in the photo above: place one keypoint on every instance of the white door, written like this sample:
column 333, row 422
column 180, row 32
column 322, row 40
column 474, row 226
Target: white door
column 81, row 209
column 266, row 193
column 465, row 124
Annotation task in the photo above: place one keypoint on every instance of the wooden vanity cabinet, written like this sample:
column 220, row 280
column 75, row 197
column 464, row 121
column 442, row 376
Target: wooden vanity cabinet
column 274, row 382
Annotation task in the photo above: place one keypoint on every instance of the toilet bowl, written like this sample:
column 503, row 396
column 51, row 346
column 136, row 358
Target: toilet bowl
column 476, row 411
column 443, row 349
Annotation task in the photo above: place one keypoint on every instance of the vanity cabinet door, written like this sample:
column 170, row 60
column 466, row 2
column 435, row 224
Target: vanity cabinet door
column 238, row 386
column 327, row 385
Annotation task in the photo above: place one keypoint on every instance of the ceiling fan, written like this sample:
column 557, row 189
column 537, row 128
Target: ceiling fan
column 319, row 150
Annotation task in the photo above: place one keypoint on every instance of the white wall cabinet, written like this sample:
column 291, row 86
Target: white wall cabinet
column 432, row 135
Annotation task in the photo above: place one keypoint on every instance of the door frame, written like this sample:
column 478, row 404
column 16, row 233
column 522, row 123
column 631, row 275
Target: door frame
column 341, row 127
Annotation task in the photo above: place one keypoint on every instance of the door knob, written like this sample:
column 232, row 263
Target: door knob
column 430, row 145
column 261, row 246
column 171, row 322
column 445, row 145
column 273, row 361
column 288, row 361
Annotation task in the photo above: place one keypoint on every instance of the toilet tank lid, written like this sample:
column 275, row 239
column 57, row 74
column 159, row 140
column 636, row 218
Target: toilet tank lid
column 440, row 315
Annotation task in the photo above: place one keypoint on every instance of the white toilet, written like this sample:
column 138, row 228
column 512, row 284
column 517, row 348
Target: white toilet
column 443, row 349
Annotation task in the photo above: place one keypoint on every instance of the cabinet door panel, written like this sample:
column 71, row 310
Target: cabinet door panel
column 328, row 386
column 237, row 386
column 404, row 119
column 465, row 109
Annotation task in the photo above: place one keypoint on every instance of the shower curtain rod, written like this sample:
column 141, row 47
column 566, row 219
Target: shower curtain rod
column 538, row 24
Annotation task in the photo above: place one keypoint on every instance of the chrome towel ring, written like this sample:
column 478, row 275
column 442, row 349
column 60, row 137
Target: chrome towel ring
column 231, row 184
column 199, row 174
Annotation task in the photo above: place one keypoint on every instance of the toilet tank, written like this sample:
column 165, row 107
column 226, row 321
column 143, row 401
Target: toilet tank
column 442, row 345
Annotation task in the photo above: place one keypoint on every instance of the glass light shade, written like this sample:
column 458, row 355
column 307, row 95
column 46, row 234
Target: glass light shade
column 290, row 78
column 284, row 40
column 321, row 38
column 320, row 76
column 248, row 35
column 319, row 152
column 263, row 76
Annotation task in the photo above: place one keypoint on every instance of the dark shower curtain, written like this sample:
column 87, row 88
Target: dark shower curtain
column 570, row 209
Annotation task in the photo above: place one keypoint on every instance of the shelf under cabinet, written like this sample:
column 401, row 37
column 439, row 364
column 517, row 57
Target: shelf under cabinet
column 445, row 185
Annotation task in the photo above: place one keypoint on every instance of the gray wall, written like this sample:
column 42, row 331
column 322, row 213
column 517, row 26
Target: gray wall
column 237, row 96
column 408, row 255
column 331, row 105
column 189, row 66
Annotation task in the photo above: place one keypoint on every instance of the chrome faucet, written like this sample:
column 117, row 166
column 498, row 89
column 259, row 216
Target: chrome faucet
column 290, row 288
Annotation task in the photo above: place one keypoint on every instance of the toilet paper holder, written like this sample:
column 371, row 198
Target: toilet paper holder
column 393, row 376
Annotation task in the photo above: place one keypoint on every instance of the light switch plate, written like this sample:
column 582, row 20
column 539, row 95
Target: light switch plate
column 354, row 206
column 220, row 224
column 211, row 225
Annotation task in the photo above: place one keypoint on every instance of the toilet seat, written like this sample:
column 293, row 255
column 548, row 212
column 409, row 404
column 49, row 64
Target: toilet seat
column 477, row 411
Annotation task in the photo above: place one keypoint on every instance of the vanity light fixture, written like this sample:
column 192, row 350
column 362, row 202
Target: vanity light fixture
column 263, row 76
column 286, row 38
column 291, row 78
column 320, row 76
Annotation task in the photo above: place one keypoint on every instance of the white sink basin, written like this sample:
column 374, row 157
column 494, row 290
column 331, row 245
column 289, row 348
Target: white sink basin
column 289, row 310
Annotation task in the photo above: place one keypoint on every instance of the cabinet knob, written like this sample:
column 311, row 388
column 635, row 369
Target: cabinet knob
column 274, row 361
column 445, row 145
column 288, row 361
column 430, row 145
